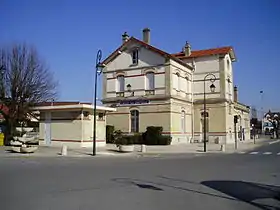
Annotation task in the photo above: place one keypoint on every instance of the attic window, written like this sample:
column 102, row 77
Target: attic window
column 135, row 57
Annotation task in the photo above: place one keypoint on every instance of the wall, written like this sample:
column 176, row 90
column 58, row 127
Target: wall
column 217, row 122
column 244, row 118
column 203, row 66
column 124, row 60
column 182, row 88
column 62, row 132
column 136, row 78
column 88, row 133
column 178, row 134
column 134, row 74
column 149, row 115
column 73, row 129
column 226, row 75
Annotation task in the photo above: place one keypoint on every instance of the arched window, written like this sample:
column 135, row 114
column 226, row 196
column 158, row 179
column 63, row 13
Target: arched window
column 134, row 119
column 183, row 121
column 120, row 83
column 150, row 81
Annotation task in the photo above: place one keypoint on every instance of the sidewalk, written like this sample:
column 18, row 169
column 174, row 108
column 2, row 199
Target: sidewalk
column 111, row 150
column 45, row 151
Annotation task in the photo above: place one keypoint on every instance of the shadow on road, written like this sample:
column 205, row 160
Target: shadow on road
column 247, row 191
column 137, row 182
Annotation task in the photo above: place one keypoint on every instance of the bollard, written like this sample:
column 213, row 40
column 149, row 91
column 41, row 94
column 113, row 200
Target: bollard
column 143, row 148
column 64, row 150
column 223, row 148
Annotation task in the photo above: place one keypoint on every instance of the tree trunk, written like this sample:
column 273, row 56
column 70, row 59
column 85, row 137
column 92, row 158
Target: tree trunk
column 9, row 131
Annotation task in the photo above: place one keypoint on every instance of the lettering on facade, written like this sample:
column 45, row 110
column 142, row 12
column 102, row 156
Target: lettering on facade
column 133, row 102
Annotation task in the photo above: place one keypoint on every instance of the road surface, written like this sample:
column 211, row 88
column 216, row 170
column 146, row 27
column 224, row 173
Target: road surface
column 210, row 181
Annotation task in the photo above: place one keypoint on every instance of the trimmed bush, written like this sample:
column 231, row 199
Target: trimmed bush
column 165, row 140
column 110, row 134
column 153, row 136
column 154, row 130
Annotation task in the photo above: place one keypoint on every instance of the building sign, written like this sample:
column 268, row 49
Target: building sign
column 133, row 102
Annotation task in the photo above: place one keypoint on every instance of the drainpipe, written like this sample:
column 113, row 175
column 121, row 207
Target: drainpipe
column 193, row 63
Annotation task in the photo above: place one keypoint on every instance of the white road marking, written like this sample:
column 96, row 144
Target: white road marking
column 278, row 153
column 241, row 152
column 267, row 153
column 273, row 142
column 253, row 153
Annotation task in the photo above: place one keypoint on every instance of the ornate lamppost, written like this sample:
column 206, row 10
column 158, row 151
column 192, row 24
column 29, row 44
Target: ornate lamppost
column 98, row 70
column 212, row 89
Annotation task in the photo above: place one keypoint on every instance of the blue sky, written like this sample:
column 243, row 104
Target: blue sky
column 68, row 34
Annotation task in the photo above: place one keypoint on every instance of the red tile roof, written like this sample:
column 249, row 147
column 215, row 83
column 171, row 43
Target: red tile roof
column 207, row 52
column 132, row 39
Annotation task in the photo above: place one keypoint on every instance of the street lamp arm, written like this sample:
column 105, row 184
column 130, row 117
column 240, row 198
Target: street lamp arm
column 212, row 75
column 98, row 58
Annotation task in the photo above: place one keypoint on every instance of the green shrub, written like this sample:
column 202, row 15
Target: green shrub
column 137, row 138
column 120, row 139
column 153, row 136
column 165, row 140
column 154, row 130
column 110, row 134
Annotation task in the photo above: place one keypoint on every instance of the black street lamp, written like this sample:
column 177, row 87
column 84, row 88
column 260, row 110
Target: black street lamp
column 98, row 70
column 212, row 89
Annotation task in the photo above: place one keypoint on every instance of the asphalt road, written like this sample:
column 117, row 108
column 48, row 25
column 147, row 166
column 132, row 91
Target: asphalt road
column 211, row 181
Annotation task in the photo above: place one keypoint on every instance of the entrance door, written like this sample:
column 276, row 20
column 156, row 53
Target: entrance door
column 48, row 128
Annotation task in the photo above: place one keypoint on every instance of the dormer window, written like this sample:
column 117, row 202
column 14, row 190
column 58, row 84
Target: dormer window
column 135, row 57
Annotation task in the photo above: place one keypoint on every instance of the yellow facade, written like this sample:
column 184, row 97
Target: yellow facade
column 72, row 125
column 176, row 101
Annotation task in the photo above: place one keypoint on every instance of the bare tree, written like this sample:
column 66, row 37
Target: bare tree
column 25, row 81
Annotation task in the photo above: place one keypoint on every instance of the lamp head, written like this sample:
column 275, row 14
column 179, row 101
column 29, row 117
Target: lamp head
column 129, row 87
column 212, row 88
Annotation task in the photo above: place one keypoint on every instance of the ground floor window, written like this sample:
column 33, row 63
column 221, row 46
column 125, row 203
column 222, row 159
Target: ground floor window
column 134, row 118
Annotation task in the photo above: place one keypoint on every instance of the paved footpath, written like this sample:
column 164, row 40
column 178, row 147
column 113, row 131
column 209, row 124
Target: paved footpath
column 110, row 150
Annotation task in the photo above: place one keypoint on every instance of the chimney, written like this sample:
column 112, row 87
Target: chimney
column 235, row 94
column 146, row 35
column 125, row 37
column 187, row 49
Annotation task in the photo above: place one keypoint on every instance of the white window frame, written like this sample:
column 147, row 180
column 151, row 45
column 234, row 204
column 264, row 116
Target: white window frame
column 120, row 87
column 135, row 56
column 150, row 81
column 134, row 121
